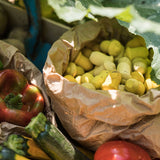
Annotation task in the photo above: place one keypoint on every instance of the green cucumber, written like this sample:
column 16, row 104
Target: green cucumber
column 51, row 140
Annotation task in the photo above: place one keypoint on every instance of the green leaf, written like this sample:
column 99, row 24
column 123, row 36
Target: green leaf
column 146, row 24
column 148, row 9
column 117, row 3
column 68, row 10
column 137, row 12
column 105, row 11
column 155, row 74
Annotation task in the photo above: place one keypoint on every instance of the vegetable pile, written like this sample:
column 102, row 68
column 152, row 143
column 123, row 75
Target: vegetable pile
column 24, row 146
column 109, row 64
column 46, row 142
column 103, row 65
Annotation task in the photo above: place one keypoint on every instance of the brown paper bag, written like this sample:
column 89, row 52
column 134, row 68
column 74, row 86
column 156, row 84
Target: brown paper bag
column 12, row 58
column 92, row 117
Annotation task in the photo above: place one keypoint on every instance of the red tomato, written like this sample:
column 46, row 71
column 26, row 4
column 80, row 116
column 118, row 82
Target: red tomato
column 120, row 150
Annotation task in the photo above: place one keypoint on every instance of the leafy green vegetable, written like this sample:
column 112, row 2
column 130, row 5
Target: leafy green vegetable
column 144, row 12
column 68, row 10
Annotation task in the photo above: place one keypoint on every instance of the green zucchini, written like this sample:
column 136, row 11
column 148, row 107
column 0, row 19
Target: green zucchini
column 8, row 154
column 51, row 140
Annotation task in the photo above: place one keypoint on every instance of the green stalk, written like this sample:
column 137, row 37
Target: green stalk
column 51, row 140
column 13, row 101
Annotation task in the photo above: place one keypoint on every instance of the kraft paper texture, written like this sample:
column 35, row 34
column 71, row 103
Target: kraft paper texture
column 91, row 117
